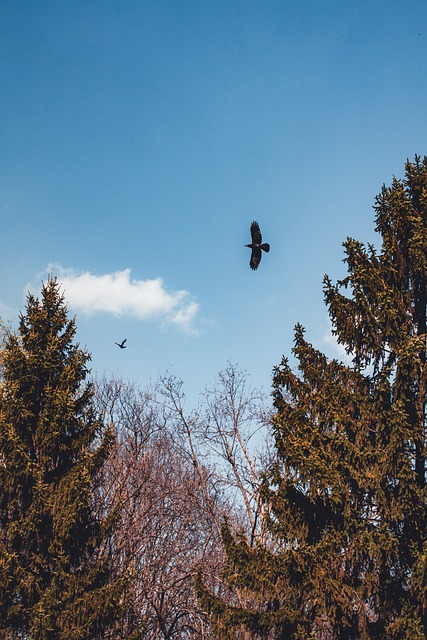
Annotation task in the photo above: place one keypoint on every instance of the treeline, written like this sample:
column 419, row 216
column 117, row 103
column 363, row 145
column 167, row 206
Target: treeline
column 125, row 515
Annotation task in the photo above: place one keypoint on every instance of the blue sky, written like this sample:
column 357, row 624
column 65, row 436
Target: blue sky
column 140, row 139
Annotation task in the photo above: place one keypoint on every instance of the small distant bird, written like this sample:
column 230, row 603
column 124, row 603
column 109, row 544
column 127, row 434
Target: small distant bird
column 121, row 344
column 256, row 246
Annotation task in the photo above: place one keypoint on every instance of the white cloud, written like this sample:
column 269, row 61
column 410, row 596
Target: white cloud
column 337, row 348
column 331, row 346
column 119, row 294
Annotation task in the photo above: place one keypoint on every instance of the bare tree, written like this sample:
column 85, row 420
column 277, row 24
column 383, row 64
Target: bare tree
column 173, row 477
column 166, row 528
column 229, row 434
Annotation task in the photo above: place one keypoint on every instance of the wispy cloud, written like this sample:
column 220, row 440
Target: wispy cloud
column 331, row 346
column 119, row 294
column 7, row 314
column 338, row 349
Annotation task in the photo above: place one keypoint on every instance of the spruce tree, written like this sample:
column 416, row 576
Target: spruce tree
column 346, row 493
column 54, row 570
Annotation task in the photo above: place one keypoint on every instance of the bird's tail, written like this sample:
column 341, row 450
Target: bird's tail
column 265, row 247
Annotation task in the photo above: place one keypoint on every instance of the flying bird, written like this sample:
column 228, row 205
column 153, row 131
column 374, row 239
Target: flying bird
column 121, row 344
column 256, row 246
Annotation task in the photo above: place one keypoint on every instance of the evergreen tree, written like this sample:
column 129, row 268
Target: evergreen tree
column 54, row 569
column 347, row 491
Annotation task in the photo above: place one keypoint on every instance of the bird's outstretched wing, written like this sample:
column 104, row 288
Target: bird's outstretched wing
column 256, row 233
column 255, row 258
column 121, row 344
